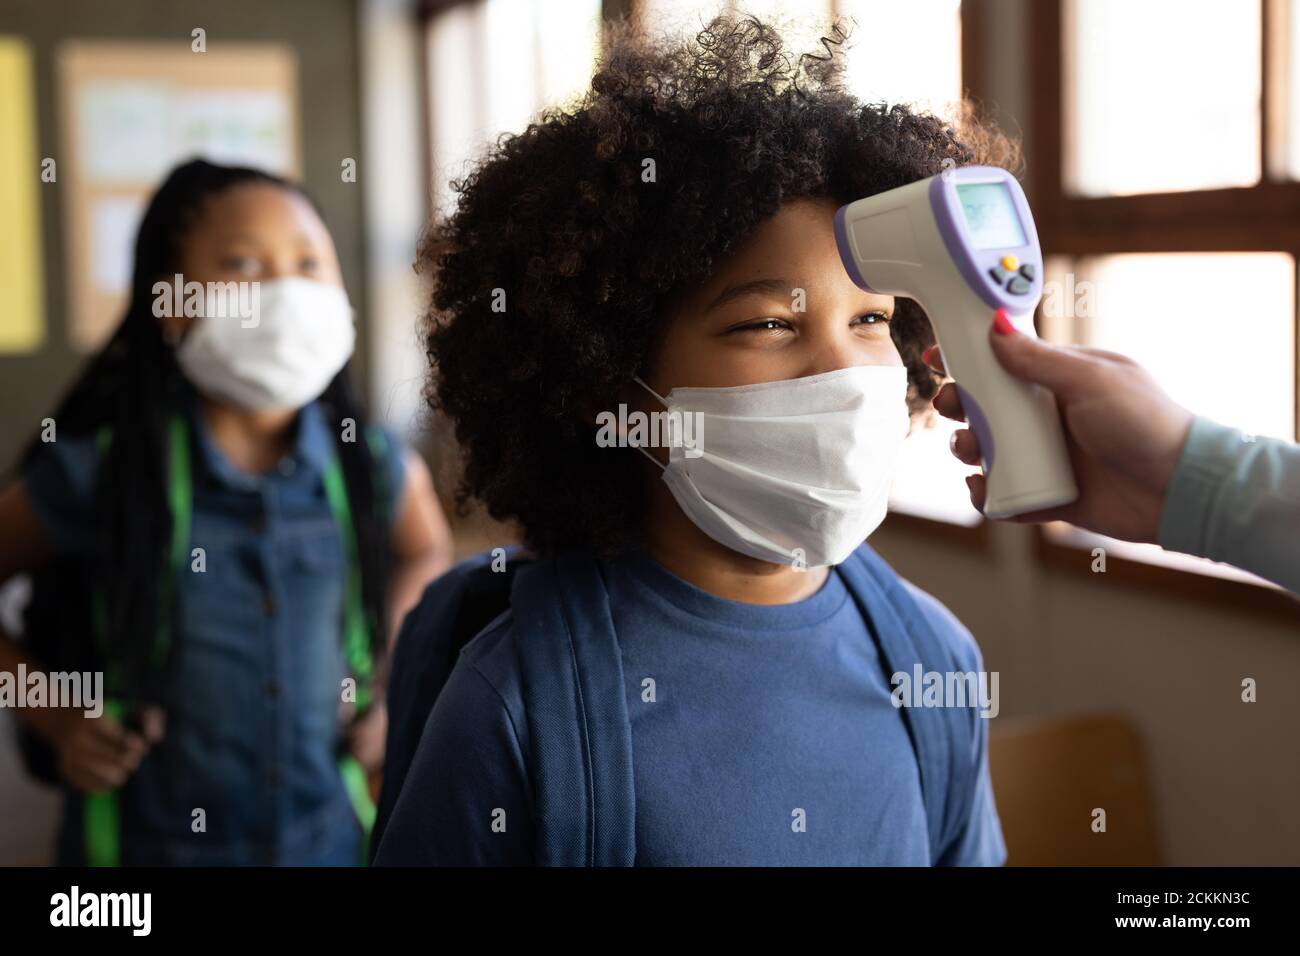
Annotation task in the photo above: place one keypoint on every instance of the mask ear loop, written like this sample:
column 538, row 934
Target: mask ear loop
column 662, row 401
column 660, row 398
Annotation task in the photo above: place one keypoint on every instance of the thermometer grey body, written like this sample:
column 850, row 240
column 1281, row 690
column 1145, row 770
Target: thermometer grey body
column 963, row 244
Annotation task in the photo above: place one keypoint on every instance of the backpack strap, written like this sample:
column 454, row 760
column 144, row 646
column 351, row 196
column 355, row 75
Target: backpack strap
column 454, row 608
column 578, row 726
column 939, row 735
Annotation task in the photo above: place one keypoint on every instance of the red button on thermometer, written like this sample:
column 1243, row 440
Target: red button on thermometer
column 963, row 244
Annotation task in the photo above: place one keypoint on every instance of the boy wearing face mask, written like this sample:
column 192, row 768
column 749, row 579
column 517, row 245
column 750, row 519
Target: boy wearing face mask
column 217, row 528
column 728, row 642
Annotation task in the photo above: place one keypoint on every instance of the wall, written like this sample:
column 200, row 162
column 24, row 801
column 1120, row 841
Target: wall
column 323, row 34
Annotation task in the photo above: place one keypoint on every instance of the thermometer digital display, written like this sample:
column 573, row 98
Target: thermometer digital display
column 990, row 215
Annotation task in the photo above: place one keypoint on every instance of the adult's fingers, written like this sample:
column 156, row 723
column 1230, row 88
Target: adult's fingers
column 965, row 446
column 947, row 402
column 1069, row 372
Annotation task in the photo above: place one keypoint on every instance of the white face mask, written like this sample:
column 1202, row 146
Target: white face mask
column 299, row 336
column 794, row 472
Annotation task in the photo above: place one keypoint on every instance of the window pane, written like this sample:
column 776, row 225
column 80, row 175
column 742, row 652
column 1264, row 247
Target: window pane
column 1161, row 95
column 494, row 64
column 1290, row 53
column 1231, row 360
column 919, row 59
column 1225, row 350
column 801, row 22
column 920, row 63
column 673, row 16
column 568, row 43
column 456, row 122
column 930, row 482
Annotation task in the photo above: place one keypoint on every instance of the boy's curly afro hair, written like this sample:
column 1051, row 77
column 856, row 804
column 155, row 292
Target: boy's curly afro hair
column 556, row 228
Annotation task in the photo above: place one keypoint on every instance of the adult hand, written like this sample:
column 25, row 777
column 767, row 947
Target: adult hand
column 1124, row 434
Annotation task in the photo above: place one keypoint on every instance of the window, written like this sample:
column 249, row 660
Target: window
column 1179, row 114
column 1162, row 168
column 930, row 482
column 492, row 65
column 1158, row 309
column 917, row 59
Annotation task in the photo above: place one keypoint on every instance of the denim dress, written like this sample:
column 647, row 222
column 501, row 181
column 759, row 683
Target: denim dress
column 253, row 727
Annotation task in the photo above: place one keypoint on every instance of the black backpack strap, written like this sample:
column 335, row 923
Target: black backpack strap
column 485, row 597
column 450, row 613
column 578, row 728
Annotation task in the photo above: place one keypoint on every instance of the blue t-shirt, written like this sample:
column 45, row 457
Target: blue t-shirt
column 761, row 735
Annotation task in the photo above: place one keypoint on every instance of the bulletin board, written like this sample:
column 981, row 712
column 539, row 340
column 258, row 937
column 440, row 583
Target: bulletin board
column 130, row 111
column 22, row 305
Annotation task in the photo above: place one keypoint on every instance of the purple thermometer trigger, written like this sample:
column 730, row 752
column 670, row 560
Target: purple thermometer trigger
column 979, row 425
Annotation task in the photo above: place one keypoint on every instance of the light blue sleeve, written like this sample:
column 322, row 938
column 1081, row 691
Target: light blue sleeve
column 1236, row 498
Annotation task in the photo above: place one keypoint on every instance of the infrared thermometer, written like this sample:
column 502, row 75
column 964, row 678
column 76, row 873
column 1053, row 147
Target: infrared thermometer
column 963, row 244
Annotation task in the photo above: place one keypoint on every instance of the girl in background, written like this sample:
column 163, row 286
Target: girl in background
column 219, row 529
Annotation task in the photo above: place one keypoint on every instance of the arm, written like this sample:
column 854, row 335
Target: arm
column 95, row 754
column 23, row 547
column 422, row 548
column 1236, row 498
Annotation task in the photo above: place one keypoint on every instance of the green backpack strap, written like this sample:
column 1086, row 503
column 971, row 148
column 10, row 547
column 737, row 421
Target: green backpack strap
column 101, row 825
column 101, row 813
column 357, row 783
column 357, row 627
column 356, row 630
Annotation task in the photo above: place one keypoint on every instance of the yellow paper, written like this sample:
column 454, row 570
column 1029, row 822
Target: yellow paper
column 22, row 306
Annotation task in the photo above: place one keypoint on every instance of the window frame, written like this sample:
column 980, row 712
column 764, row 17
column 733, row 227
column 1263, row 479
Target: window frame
column 1264, row 217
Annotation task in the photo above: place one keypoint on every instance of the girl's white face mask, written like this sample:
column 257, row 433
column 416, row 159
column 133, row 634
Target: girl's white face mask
column 794, row 472
column 283, row 356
